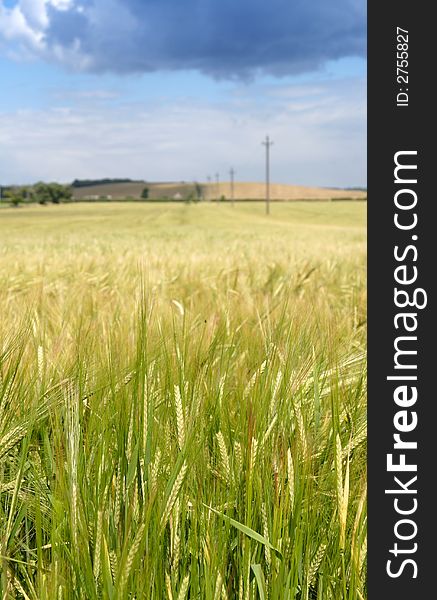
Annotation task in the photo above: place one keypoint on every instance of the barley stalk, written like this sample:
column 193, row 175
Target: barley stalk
column 290, row 477
column 98, row 546
column 40, row 363
column 145, row 412
column 130, row 436
column 118, row 495
column 267, row 552
column 179, row 416
column 338, row 471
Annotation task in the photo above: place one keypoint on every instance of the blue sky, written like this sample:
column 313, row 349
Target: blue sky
column 182, row 89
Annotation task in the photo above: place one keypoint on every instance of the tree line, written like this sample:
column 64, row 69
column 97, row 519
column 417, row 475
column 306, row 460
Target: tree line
column 42, row 193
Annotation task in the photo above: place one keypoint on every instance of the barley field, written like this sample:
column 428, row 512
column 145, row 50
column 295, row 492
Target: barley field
column 182, row 401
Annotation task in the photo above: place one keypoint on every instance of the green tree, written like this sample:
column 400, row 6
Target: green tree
column 145, row 193
column 51, row 192
column 16, row 196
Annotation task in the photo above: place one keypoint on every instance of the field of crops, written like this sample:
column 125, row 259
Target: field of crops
column 182, row 402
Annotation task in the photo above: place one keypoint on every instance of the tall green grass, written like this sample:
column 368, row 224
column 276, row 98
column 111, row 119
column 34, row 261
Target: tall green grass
column 182, row 402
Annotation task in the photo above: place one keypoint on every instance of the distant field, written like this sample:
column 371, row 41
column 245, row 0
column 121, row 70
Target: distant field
column 242, row 191
column 183, row 401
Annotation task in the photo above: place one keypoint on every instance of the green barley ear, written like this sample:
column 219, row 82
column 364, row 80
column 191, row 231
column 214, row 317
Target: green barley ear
column 11, row 439
column 345, row 503
column 98, row 545
column 301, row 432
column 221, row 390
column 269, row 429
column 238, row 459
column 358, row 439
column 224, row 595
column 273, row 400
column 254, row 377
column 145, row 413
column 131, row 556
column 338, row 470
column 342, row 491
column 173, row 495
column 130, row 436
column 253, row 453
column 168, row 587
column 184, row 588
column 218, row 587
column 357, row 531
column 176, row 552
column 339, row 482
column 240, row 587
column 113, row 562
column 315, row 565
column 362, row 556
column 224, row 458
column 154, row 471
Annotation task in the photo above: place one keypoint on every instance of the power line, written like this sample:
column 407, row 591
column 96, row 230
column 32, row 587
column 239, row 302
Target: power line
column 268, row 143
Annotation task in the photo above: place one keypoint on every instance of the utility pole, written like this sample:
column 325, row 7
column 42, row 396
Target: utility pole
column 267, row 144
column 232, row 173
column 208, row 178
column 217, row 179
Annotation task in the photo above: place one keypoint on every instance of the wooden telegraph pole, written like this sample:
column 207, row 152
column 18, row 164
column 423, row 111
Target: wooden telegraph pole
column 232, row 173
column 217, row 179
column 267, row 144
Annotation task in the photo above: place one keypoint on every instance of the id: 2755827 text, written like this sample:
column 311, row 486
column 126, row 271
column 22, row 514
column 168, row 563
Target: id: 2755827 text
column 402, row 66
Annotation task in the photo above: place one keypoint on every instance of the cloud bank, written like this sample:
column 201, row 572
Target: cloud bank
column 318, row 131
column 221, row 38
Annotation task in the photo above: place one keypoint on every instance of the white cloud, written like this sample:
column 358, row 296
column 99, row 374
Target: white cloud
column 25, row 27
column 15, row 26
column 321, row 141
column 35, row 13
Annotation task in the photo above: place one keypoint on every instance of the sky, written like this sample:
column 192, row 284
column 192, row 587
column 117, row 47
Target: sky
column 183, row 89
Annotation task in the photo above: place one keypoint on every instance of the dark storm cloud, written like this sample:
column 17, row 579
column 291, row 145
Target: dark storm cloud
column 222, row 38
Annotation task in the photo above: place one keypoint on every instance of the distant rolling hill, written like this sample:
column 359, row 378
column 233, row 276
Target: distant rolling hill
column 211, row 191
